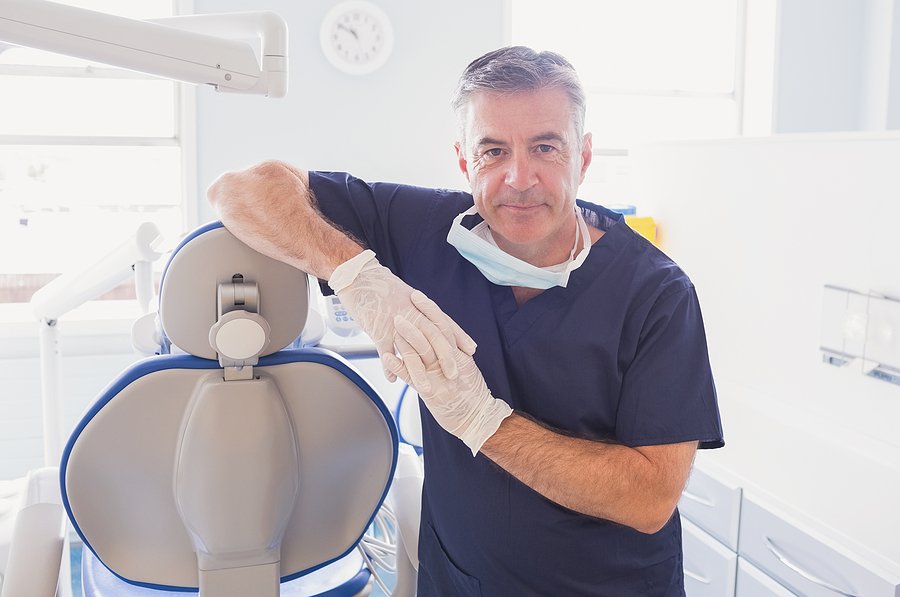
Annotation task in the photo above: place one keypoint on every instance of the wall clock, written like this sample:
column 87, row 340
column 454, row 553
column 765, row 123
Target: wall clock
column 357, row 37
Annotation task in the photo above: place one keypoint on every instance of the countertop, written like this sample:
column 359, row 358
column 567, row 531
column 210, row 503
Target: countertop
column 845, row 488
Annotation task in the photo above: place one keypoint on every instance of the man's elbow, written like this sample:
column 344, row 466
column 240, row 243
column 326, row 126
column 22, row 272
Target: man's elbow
column 651, row 527
column 655, row 518
column 271, row 169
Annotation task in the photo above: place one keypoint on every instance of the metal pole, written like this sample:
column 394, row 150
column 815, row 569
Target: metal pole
column 51, row 404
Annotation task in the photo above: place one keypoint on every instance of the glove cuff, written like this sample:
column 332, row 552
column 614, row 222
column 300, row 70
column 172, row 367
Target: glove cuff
column 486, row 425
column 344, row 274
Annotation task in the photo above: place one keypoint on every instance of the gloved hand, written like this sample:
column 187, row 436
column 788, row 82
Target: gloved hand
column 463, row 406
column 375, row 297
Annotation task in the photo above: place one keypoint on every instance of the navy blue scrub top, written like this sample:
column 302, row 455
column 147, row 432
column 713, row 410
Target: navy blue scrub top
column 618, row 355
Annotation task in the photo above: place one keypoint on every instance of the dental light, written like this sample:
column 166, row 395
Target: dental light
column 202, row 49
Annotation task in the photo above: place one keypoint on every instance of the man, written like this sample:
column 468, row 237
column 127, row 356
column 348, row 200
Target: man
column 590, row 389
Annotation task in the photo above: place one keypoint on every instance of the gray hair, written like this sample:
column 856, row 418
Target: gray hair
column 514, row 69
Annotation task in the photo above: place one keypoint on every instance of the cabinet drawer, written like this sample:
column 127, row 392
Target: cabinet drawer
column 713, row 505
column 710, row 568
column 753, row 582
column 806, row 564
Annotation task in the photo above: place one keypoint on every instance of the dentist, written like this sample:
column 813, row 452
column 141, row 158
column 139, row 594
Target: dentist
column 555, row 453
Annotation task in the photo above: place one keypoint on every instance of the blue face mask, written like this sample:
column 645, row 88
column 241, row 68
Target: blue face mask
column 478, row 247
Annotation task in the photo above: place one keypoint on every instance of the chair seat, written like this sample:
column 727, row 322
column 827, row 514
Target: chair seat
column 124, row 496
column 344, row 578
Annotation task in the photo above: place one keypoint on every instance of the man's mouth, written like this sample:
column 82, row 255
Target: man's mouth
column 521, row 208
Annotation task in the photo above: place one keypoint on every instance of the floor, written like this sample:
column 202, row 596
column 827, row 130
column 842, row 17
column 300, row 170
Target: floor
column 75, row 559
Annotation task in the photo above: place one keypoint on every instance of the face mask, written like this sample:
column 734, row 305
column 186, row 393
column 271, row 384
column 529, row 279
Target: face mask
column 478, row 247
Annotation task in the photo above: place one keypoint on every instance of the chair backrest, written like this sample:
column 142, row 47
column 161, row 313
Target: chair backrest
column 239, row 462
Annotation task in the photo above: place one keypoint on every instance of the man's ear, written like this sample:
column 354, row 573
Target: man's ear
column 587, row 154
column 461, row 159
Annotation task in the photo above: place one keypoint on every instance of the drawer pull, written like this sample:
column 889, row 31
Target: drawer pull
column 696, row 577
column 696, row 498
column 807, row 575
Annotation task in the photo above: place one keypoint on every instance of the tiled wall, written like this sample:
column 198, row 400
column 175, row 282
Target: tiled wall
column 83, row 377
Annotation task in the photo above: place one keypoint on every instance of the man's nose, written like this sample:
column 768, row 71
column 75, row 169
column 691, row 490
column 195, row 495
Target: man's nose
column 520, row 174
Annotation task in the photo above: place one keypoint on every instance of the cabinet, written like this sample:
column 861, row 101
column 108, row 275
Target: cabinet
column 738, row 543
column 753, row 582
column 710, row 568
column 714, row 503
column 805, row 561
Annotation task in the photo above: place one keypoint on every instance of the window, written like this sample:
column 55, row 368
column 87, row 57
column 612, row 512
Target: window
column 87, row 153
column 652, row 69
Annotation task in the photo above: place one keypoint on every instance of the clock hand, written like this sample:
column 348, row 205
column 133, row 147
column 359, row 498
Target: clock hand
column 349, row 30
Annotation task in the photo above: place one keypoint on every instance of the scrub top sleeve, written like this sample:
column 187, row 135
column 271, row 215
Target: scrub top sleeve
column 387, row 218
column 668, row 394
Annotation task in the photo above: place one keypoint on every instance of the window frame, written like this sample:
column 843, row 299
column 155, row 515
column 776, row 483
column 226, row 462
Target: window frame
column 737, row 93
column 14, row 315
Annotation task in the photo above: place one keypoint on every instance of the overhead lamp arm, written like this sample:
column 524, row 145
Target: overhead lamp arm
column 201, row 49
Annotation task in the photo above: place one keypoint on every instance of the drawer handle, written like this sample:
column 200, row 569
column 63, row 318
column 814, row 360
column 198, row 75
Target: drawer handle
column 696, row 498
column 696, row 577
column 799, row 570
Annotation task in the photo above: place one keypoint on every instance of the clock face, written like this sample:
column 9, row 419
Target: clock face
column 357, row 37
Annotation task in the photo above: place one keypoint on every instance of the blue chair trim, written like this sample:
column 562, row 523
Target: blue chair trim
column 396, row 414
column 165, row 345
column 163, row 362
column 190, row 236
column 351, row 587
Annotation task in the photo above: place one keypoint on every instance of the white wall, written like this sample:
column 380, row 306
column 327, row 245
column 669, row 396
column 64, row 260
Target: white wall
column 394, row 124
column 893, row 115
column 818, row 74
column 90, row 362
column 837, row 66
column 761, row 225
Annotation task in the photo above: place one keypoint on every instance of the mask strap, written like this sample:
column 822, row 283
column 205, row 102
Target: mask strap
column 585, row 242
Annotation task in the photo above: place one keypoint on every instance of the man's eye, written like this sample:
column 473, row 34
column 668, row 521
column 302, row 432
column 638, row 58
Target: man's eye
column 544, row 148
column 493, row 152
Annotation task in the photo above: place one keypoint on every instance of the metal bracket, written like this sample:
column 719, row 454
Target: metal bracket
column 238, row 295
column 240, row 334
column 238, row 373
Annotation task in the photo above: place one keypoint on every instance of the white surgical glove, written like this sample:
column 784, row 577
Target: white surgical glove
column 375, row 297
column 463, row 406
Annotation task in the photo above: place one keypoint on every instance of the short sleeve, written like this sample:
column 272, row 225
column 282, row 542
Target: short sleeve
column 668, row 394
column 387, row 218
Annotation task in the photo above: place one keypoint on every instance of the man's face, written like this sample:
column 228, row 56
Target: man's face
column 524, row 163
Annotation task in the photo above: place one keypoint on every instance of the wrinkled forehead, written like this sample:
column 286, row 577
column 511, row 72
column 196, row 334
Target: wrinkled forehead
column 508, row 116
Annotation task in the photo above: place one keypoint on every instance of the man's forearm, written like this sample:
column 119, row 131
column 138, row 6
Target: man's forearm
column 631, row 486
column 271, row 208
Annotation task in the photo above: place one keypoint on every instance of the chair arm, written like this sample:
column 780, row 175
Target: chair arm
column 35, row 551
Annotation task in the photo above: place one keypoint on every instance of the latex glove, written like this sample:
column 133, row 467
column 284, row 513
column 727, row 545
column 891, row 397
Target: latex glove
column 463, row 406
column 375, row 297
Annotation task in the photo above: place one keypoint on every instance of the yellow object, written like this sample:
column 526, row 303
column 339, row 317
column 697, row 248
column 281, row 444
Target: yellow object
column 643, row 225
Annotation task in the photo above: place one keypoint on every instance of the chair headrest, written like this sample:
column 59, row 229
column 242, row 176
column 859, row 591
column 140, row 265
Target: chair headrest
column 211, row 256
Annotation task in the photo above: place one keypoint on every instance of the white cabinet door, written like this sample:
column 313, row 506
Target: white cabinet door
column 807, row 564
column 710, row 568
column 753, row 582
column 714, row 505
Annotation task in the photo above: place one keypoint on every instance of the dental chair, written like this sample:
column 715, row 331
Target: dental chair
column 238, row 468
column 30, row 561
column 409, row 420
